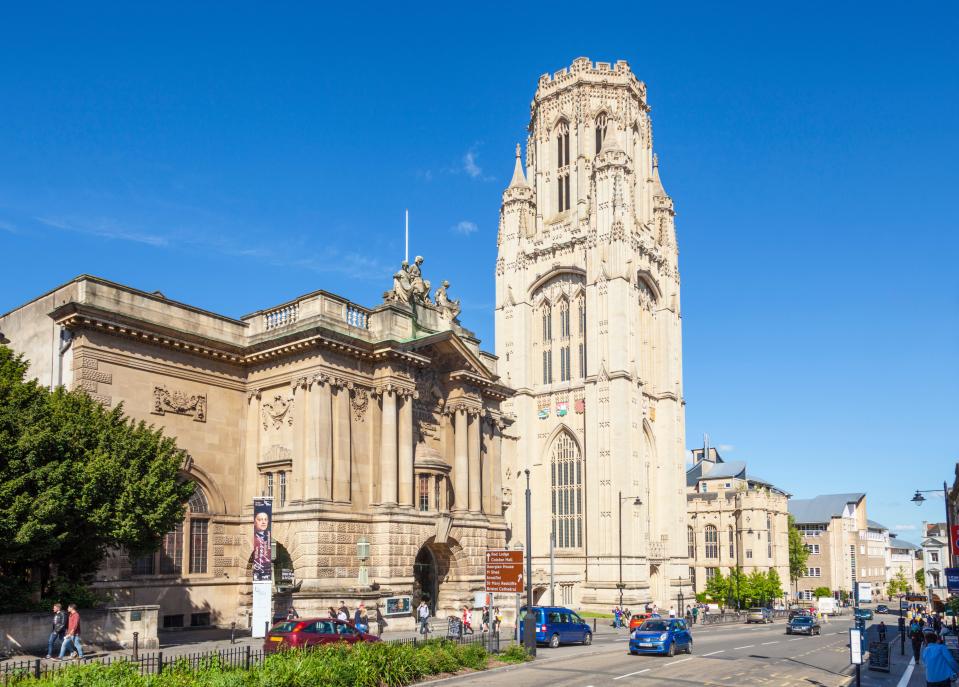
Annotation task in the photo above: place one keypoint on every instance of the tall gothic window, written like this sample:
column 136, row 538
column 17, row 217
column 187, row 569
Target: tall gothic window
column 732, row 544
column 566, row 478
column 565, row 372
column 547, row 367
column 582, row 335
column 582, row 316
column 564, row 319
column 600, row 131
column 769, row 536
column 691, row 543
column 562, row 166
column 582, row 359
column 547, row 323
column 712, row 542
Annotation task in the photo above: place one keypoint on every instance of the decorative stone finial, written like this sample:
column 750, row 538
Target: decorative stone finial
column 519, row 179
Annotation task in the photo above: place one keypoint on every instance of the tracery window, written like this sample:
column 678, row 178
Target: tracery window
column 566, row 479
column 547, row 367
column 732, row 544
column 562, row 165
column 691, row 543
column 564, row 329
column 547, row 323
column 564, row 367
column 601, row 121
column 712, row 542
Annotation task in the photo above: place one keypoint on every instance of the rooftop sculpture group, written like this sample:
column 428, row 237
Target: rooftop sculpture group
column 410, row 288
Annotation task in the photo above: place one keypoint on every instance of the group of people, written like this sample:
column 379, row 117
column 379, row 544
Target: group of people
column 925, row 632
column 490, row 619
column 65, row 631
column 361, row 619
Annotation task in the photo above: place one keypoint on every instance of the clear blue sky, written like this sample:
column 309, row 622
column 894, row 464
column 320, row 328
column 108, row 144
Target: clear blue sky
column 237, row 155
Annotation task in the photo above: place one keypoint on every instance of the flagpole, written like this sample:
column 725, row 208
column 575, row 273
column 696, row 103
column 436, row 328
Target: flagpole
column 407, row 236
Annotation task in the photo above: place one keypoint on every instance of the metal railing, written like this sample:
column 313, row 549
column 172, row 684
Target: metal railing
column 243, row 658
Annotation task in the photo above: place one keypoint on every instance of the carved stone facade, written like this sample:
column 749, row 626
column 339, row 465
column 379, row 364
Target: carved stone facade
column 367, row 426
column 588, row 332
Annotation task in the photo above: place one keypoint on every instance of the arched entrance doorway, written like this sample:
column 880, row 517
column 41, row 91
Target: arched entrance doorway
column 656, row 587
column 425, row 579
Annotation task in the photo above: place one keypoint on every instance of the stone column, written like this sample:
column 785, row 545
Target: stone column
column 460, row 462
column 475, row 469
column 341, row 443
column 406, row 479
column 319, row 469
column 251, row 475
column 496, row 468
column 297, row 476
column 388, row 453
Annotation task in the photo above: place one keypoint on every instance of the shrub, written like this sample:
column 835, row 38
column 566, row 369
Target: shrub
column 515, row 653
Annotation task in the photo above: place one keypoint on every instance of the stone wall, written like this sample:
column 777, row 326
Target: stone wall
column 107, row 628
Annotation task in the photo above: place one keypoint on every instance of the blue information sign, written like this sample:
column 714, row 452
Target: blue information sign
column 952, row 579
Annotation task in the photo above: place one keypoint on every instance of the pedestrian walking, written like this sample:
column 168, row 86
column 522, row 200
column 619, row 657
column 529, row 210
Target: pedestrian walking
column 941, row 667
column 423, row 613
column 497, row 619
column 882, row 631
column 59, row 626
column 467, row 620
column 617, row 623
column 380, row 621
column 915, row 636
column 485, row 619
column 72, row 636
column 695, row 614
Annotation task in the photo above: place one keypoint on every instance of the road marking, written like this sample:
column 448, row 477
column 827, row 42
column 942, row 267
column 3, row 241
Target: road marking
column 748, row 646
column 798, row 639
column 904, row 680
column 713, row 653
column 682, row 660
column 644, row 670
column 776, row 642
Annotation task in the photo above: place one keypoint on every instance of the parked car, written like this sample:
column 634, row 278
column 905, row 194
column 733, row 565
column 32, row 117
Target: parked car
column 663, row 636
column 882, row 608
column 306, row 632
column 557, row 625
column 863, row 613
column 759, row 615
column 803, row 624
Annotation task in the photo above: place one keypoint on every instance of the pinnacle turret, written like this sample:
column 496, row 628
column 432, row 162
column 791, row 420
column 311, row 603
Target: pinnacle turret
column 519, row 179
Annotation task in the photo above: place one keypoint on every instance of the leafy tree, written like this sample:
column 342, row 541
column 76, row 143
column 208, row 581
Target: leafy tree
column 774, row 584
column 921, row 578
column 717, row 588
column 898, row 584
column 738, row 586
column 798, row 553
column 76, row 480
column 821, row 592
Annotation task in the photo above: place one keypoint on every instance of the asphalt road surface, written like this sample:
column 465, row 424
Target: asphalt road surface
column 725, row 655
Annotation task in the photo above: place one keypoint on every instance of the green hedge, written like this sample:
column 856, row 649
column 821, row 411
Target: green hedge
column 334, row 665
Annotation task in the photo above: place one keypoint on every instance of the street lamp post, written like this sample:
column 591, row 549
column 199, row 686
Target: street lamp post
column 918, row 499
column 529, row 626
column 636, row 502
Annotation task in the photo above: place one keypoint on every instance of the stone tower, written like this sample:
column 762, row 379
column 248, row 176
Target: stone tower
column 588, row 332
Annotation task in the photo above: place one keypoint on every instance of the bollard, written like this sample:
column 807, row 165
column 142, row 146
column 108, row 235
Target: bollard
column 233, row 632
column 266, row 630
column 594, row 625
column 136, row 646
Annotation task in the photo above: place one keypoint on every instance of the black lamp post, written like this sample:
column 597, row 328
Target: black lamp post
column 529, row 626
column 919, row 499
column 636, row 502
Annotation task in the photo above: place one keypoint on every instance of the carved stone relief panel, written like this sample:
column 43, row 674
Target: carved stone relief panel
column 179, row 403
column 277, row 412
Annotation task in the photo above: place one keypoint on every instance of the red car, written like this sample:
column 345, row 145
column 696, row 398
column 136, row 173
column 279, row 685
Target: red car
column 307, row 632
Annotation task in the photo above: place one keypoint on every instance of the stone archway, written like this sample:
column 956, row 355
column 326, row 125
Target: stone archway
column 656, row 587
column 432, row 569
column 426, row 584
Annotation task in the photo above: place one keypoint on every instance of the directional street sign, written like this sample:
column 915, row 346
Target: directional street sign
column 504, row 571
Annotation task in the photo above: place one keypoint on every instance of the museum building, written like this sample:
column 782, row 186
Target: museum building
column 377, row 432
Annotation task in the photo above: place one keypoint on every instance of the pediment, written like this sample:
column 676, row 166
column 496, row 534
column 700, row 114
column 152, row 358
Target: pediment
column 447, row 351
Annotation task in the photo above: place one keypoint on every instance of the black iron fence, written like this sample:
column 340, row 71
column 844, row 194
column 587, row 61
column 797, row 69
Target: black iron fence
column 152, row 663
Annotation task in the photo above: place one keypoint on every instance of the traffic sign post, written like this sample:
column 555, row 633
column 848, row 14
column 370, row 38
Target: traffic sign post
column 855, row 650
column 504, row 571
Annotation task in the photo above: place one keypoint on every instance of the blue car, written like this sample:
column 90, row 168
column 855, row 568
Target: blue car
column 663, row 636
column 557, row 625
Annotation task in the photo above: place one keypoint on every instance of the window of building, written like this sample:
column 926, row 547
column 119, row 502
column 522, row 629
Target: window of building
column 710, row 573
column 933, row 556
column 601, row 123
column 712, row 542
column 143, row 565
column 171, row 552
column 692, row 577
column 566, row 477
column 269, row 485
column 582, row 360
column 703, row 487
column 547, row 367
column 436, row 492
column 813, row 549
column 749, row 553
column 732, row 544
column 424, row 492
column 282, row 476
column 564, row 364
column 813, row 572
column 564, row 330
column 547, row 324
column 199, row 537
column 562, row 158
column 691, row 543
column 172, row 621
column 582, row 317
column 199, row 620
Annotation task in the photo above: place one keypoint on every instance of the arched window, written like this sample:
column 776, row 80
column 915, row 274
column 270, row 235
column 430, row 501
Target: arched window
column 566, row 479
column 547, row 323
column 691, row 543
column 562, row 166
column 712, row 542
column 601, row 121
column 732, row 544
column 564, row 329
column 169, row 560
column 582, row 336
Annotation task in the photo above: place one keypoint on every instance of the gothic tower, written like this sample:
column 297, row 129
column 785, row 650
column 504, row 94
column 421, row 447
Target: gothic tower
column 588, row 333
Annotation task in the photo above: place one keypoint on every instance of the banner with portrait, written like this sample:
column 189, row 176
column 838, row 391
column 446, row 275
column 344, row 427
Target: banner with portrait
column 262, row 530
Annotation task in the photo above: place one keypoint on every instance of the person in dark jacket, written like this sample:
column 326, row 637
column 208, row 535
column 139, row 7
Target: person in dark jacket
column 59, row 625
column 72, row 636
column 915, row 636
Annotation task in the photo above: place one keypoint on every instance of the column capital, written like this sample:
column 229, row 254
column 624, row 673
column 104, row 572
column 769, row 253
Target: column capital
column 253, row 393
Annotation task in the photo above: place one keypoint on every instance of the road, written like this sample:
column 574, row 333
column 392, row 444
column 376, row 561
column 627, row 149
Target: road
column 727, row 656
